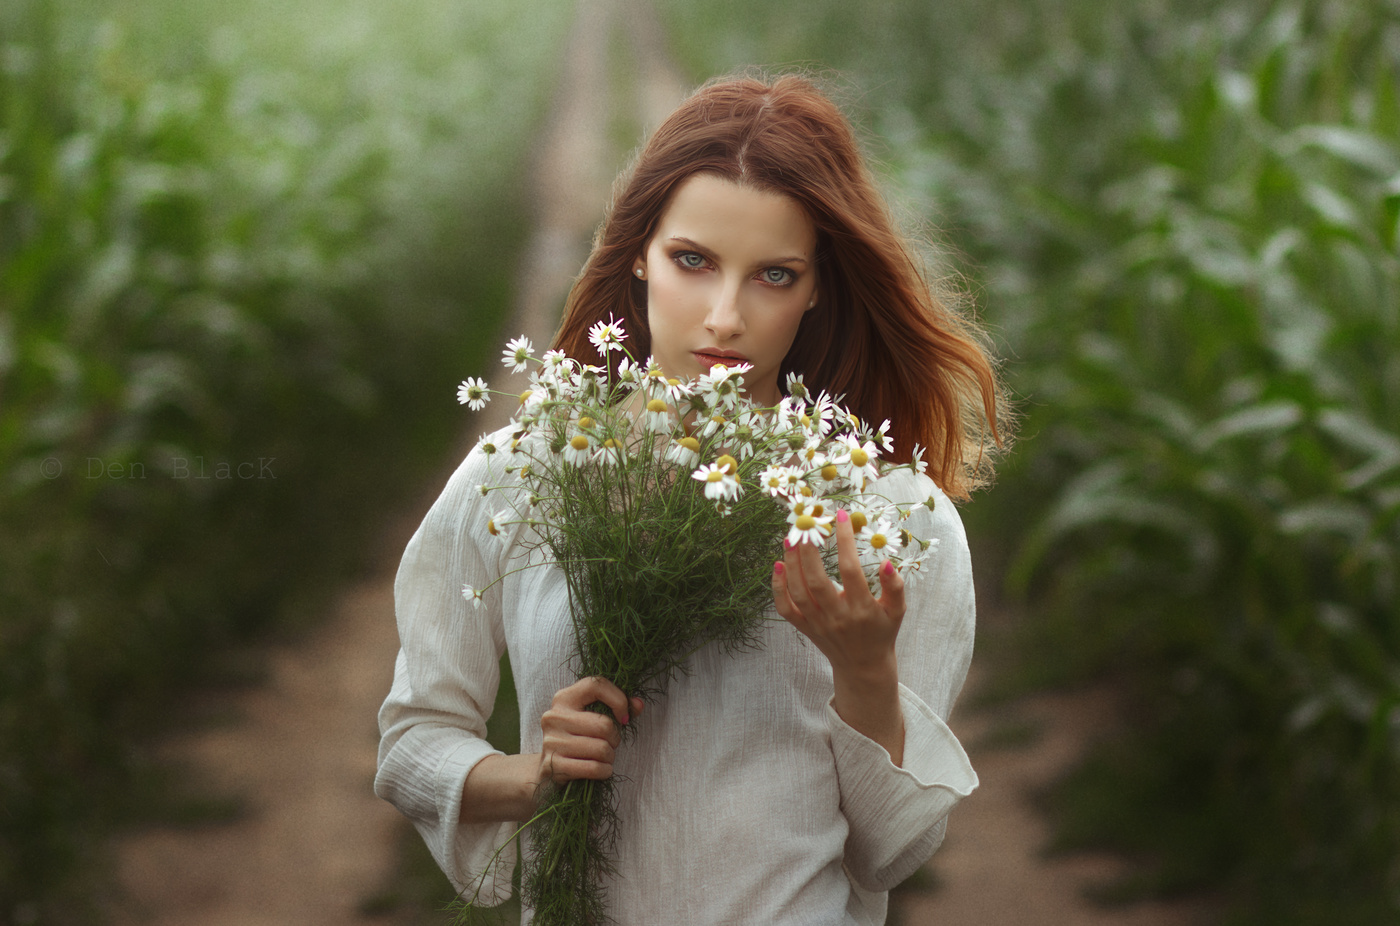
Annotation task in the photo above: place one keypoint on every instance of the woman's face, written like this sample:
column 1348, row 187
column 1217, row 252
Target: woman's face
column 730, row 271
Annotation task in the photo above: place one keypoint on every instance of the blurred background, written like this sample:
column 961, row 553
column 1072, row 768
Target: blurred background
column 247, row 250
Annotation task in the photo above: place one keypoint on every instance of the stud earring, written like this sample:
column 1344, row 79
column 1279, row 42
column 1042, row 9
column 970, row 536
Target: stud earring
column 641, row 275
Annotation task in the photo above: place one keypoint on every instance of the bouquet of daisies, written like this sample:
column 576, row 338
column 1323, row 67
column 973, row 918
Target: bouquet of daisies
column 665, row 502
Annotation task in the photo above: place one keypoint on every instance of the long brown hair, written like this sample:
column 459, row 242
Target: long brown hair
column 879, row 334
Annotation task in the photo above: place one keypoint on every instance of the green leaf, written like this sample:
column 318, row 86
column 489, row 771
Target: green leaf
column 1261, row 419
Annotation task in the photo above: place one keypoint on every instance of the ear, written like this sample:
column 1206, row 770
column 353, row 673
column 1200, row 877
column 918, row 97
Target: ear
column 812, row 303
column 639, row 268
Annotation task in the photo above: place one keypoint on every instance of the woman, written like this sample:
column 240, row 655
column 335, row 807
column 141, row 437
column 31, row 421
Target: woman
column 798, row 782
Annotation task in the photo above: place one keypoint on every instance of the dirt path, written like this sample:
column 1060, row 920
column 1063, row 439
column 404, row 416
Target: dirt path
column 313, row 843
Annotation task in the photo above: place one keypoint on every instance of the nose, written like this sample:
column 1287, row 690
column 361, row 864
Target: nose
column 725, row 319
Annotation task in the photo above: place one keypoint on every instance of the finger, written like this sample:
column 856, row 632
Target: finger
column 637, row 705
column 848, row 559
column 795, row 581
column 584, row 748
column 566, row 722
column 564, row 769
column 891, row 591
column 595, row 688
column 781, row 599
column 816, row 582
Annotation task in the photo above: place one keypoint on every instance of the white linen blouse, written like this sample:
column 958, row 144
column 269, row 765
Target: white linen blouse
column 745, row 798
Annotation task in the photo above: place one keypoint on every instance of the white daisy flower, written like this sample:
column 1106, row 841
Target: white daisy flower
column 554, row 359
column 658, row 415
column 607, row 335
column 796, row 388
column 821, row 414
column 473, row 393
column 517, row 354
column 783, row 481
column 678, row 389
column 472, row 594
column 612, row 451
column 578, row 449
column 857, row 463
column 498, row 522
column 722, row 385
column 720, row 483
column 810, row 522
column 715, row 424
column 918, row 463
column 882, row 539
column 883, row 436
column 684, row 452
column 629, row 372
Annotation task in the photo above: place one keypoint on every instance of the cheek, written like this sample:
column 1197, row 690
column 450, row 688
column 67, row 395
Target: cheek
column 670, row 303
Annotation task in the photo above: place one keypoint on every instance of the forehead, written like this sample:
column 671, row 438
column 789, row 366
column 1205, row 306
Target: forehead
column 729, row 217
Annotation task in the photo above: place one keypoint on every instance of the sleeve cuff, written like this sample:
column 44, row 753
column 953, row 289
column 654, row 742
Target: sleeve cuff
column 895, row 814
column 470, row 847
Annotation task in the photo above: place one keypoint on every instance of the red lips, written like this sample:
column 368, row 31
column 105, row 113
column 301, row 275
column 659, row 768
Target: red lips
column 728, row 358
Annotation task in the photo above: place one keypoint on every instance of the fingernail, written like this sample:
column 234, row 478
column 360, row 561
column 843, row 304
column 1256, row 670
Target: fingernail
column 779, row 569
column 841, row 516
column 787, row 544
column 888, row 568
column 624, row 720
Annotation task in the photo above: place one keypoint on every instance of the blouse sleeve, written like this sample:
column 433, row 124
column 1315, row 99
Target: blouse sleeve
column 433, row 723
column 897, row 816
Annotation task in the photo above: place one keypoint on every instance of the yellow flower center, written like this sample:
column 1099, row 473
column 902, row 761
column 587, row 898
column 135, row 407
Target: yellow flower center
column 877, row 541
column 717, row 419
column 690, row 443
column 491, row 527
column 673, row 382
column 727, row 463
column 858, row 520
column 524, row 396
column 714, row 475
column 579, row 442
column 818, row 510
column 656, row 405
column 807, row 491
column 859, row 457
column 806, row 522
column 611, row 444
column 585, row 423
column 829, row 471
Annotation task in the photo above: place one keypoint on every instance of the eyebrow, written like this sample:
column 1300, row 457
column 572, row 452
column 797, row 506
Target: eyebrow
column 711, row 254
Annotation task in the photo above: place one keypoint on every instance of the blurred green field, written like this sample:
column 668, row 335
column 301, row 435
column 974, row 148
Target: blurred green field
column 235, row 233
column 246, row 251
column 1183, row 221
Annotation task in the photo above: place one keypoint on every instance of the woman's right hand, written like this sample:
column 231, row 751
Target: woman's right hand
column 579, row 743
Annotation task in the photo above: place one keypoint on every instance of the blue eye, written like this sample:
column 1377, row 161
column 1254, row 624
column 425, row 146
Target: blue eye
column 776, row 276
column 690, row 260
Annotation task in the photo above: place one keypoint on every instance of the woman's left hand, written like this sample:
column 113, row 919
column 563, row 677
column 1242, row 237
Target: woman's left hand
column 854, row 630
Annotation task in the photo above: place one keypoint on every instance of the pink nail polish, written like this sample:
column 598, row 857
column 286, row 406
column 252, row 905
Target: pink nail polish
column 787, row 544
column 779, row 569
column 888, row 568
column 841, row 516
